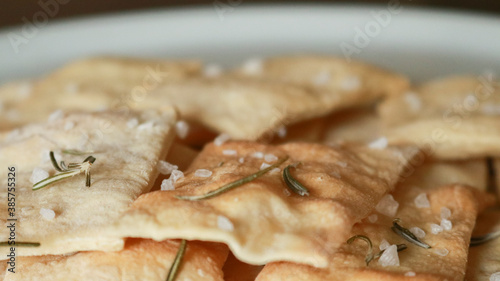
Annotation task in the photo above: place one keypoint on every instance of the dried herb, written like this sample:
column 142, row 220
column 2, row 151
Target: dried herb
column 234, row 184
column 408, row 235
column 292, row 183
column 479, row 240
column 172, row 273
column 20, row 244
column 76, row 152
column 370, row 256
column 72, row 169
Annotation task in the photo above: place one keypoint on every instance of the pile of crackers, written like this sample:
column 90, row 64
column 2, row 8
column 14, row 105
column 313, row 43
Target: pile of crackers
column 369, row 146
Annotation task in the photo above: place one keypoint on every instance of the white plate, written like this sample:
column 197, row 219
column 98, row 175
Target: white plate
column 421, row 43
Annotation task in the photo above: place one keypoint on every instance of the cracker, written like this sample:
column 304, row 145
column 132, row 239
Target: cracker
column 348, row 263
column 99, row 83
column 125, row 168
column 483, row 259
column 236, row 270
column 262, row 221
column 360, row 125
column 139, row 260
column 455, row 117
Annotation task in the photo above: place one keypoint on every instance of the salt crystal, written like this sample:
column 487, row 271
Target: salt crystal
column 241, row 160
column 264, row 166
column 446, row 224
column 389, row 257
column 384, row 244
column 275, row 171
column 435, row 229
column 38, row 175
column 165, row 168
column 220, row 139
column 495, row 276
column 387, row 206
column 418, row 232
column 202, row 173
column 335, row 174
column 212, row 70
column 224, row 223
column 167, row 184
column 200, row 272
column 379, row 143
column 322, row 78
column 230, row 152
column 373, row 218
column 176, row 175
column 410, row 274
column 441, row 251
column 132, row 123
column 413, row 100
column 281, row 132
column 421, row 201
column 182, row 129
column 258, row 154
column 56, row 115
column 351, row 83
column 270, row 157
column 69, row 125
column 146, row 126
column 47, row 214
column 24, row 90
column 341, row 164
column 253, row 66
column 445, row 213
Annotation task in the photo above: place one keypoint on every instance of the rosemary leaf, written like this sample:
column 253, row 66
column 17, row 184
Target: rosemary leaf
column 479, row 240
column 233, row 184
column 172, row 273
column 406, row 234
column 20, row 244
column 76, row 152
column 55, row 178
column 369, row 256
column 292, row 183
column 54, row 162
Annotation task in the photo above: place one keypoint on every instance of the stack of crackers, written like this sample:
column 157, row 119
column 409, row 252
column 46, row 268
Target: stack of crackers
column 368, row 146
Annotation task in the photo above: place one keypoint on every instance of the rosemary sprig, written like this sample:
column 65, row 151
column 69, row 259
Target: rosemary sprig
column 408, row 235
column 370, row 256
column 20, row 244
column 479, row 240
column 233, row 184
column 292, row 183
column 76, row 152
column 172, row 273
column 68, row 171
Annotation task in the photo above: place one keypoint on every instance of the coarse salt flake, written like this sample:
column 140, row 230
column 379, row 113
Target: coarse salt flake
column 167, row 184
column 446, row 224
column 322, row 78
column 58, row 114
column 224, row 223
column 384, row 244
column 47, row 214
column 435, row 229
column 351, row 83
column 445, row 213
column 389, row 257
column 69, row 125
column 212, row 70
column 275, row 171
column 132, row 123
column 166, row 168
column 200, row 272
column 421, row 201
column 253, row 66
column 441, row 251
column 387, row 206
column 270, row 157
column 413, row 101
column 373, row 218
column 281, row 132
column 38, row 175
column 495, row 276
column 410, row 274
column 341, row 164
column 182, row 129
column 146, row 126
column 379, row 143
column 418, row 232
column 230, row 152
column 258, row 154
column 220, row 139
column 264, row 166
column 176, row 175
column 241, row 160
column 24, row 90
column 202, row 173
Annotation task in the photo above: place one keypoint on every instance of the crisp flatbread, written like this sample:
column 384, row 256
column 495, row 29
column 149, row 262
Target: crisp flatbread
column 484, row 260
column 101, row 83
column 126, row 155
column 456, row 117
column 263, row 221
column 446, row 260
column 236, row 270
column 361, row 125
column 140, row 260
